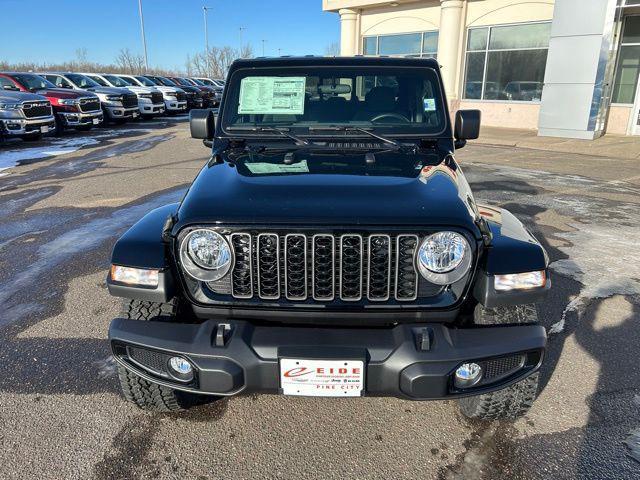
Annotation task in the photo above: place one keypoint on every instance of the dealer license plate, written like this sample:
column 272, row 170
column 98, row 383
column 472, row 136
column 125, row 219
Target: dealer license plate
column 322, row 378
column 96, row 121
column 44, row 129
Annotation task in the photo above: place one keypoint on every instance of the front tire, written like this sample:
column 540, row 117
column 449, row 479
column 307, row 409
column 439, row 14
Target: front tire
column 507, row 404
column 514, row 401
column 143, row 393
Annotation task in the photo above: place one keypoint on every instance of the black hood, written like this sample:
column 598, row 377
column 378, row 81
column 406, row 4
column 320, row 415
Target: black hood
column 339, row 189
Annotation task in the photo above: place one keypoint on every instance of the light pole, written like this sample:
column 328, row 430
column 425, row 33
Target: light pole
column 240, row 30
column 144, row 40
column 206, row 37
column 263, row 42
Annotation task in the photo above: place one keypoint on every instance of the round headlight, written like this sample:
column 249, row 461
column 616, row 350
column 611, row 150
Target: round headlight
column 444, row 257
column 205, row 255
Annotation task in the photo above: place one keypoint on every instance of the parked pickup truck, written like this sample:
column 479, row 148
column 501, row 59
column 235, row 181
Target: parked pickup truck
column 194, row 95
column 175, row 99
column 72, row 109
column 214, row 93
column 119, row 105
column 150, row 99
column 24, row 115
column 331, row 246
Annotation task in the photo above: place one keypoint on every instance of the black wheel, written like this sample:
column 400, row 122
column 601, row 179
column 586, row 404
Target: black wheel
column 59, row 126
column 145, row 394
column 514, row 401
column 507, row 404
column 517, row 314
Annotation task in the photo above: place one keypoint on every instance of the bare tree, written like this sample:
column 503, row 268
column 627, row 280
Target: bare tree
column 130, row 62
column 216, row 62
column 333, row 49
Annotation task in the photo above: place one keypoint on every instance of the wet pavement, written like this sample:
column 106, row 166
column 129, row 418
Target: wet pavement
column 61, row 413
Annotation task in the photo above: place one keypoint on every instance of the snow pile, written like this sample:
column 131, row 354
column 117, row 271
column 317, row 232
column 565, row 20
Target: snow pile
column 604, row 259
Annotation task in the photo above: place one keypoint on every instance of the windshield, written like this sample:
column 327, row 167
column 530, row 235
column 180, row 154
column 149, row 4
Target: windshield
column 82, row 81
column 33, row 82
column 163, row 81
column 146, row 82
column 403, row 101
column 119, row 81
column 98, row 80
column 205, row 81
column 181, row 81
column 197, row 82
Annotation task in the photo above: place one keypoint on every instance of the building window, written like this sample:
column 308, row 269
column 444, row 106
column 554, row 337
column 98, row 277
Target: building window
column 421, row 44
column 506, row 62
column 628, row 68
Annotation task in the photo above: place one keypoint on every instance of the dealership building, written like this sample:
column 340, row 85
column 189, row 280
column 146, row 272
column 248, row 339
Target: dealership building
column 568, row 68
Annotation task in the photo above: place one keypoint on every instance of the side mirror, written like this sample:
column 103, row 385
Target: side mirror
column 467, row 126
column 202, row 123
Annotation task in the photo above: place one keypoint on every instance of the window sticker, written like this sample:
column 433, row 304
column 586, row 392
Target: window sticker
column 275, row 95
column 429, row 104
column 261, row 168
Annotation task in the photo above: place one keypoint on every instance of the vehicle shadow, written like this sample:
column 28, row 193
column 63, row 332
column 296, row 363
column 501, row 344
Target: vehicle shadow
column 614, row 407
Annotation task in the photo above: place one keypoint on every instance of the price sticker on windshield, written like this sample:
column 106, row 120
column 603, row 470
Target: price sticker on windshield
column 272, row 95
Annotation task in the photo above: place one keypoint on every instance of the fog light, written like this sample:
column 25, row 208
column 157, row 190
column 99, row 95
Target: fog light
column 467, row 375
column 181, row 368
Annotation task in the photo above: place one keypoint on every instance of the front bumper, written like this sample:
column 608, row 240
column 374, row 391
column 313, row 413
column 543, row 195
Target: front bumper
column 415, row 361
column 175, row 106
column 120, row 113
column 80, row 119
column 147, row 108
column 26, row 126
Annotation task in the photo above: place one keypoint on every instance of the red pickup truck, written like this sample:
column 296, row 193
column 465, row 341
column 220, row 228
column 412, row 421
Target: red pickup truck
column 72, row 109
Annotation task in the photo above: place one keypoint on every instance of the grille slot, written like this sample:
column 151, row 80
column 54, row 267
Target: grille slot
column 351, row 266
column 242, row 273
column 268, row 266
column 406, row 274
column 295, row 266
column 379, row 272
column 323, row 267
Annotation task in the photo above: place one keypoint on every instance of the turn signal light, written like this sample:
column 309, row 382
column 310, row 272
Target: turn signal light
column 520, row 281
column 135, row 276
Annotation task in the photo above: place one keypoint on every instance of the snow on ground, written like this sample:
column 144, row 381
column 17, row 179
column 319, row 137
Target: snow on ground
column 53, row 148
column 58, row 146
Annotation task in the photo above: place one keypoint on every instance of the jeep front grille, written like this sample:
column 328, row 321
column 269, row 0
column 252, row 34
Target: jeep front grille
column 323, row 267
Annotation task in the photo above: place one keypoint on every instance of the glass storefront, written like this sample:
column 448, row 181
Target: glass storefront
column 628, row 67
column 420, row 44
column 506, row 62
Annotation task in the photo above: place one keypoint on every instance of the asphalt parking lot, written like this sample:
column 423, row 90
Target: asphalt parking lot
column 65, row 201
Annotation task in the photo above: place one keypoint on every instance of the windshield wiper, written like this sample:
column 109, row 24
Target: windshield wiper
column 345, row 128
column 284, row 133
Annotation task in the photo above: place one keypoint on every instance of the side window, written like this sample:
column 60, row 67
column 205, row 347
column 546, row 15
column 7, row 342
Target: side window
column 7, row 84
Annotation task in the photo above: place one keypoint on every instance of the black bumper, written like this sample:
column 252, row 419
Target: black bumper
column 414, row 361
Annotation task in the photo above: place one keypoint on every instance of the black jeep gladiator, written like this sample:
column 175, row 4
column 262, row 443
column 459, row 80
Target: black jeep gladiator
column 331, row 246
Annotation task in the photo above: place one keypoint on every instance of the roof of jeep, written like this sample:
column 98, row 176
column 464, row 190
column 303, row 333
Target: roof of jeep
column 318, row 61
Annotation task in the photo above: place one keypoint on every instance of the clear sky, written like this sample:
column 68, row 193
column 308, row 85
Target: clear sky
column 52, row 30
